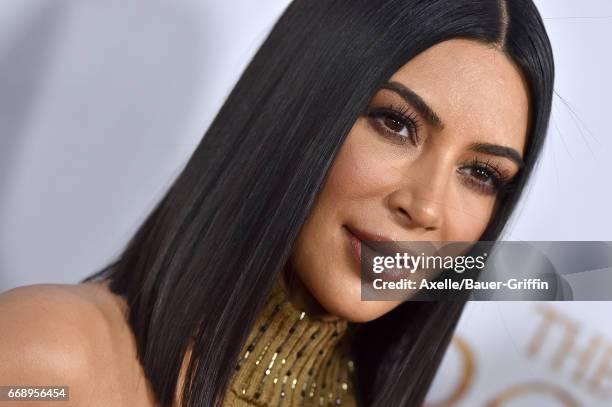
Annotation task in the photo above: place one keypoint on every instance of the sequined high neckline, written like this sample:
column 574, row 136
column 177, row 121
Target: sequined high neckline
column 293, row 359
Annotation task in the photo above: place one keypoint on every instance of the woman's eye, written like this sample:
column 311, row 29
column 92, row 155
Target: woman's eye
column 484, row 179
column 482, row 175
column 395, row 125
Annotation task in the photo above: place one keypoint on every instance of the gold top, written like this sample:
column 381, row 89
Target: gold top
column 293, row 359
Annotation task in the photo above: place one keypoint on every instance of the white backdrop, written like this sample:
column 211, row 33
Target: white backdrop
column 101, row 104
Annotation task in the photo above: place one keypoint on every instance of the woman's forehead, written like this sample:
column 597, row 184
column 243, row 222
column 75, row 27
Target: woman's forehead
column 473, row 87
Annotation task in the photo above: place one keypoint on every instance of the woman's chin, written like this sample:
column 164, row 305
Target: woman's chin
column 353, row 309
column 336, row 289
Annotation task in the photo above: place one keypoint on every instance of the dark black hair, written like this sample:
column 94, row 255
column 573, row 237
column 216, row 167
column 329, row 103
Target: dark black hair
column 199, row 268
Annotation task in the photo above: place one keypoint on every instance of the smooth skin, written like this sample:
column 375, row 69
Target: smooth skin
column 402, row 174
column 434, row 189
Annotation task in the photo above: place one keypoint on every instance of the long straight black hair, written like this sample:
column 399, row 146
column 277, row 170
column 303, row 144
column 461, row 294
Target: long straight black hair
column 197, row 271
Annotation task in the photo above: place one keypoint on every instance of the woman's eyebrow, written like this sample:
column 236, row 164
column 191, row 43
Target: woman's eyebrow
column 415, row 100
column 433, row 119
column 500, row 151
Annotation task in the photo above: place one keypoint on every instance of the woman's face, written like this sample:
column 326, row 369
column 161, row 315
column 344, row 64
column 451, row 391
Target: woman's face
column 424, row 163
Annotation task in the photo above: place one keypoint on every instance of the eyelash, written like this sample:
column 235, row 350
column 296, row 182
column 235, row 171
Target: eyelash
column 403, row 116
column 497, row 177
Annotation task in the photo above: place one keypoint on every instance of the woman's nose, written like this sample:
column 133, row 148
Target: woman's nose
column 419, row 202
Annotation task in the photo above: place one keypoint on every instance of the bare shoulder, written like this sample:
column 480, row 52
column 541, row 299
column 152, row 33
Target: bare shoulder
column 72, row 335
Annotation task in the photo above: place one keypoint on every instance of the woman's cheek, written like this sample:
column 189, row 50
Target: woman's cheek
column 363, row 167
column 468, row 216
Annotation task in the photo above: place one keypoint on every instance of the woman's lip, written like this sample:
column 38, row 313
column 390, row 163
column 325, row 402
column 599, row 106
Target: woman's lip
column 355, row 249
column 390, row 248
column 354, row 246
column 369, row 236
